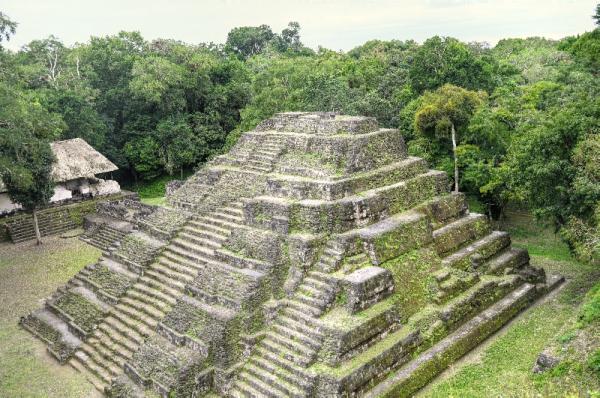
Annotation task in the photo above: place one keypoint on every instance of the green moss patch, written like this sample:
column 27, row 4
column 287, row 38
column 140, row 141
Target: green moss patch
column 111, row 282
column 84, row 313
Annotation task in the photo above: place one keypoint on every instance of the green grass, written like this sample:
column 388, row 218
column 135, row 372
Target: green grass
column 158, row 201
column 29, row 273
column 153, row 192
column 501, row 367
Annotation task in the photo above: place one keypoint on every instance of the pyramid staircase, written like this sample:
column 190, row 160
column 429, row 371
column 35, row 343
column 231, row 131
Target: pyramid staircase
column 279, row 366
column 140, row 310
column 103, row 237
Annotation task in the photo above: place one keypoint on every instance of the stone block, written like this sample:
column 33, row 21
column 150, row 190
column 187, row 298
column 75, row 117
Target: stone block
column 395, row 236
column 367, row 286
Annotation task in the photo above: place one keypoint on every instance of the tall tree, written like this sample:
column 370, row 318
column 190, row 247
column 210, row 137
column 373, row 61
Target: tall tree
column 247, row 41
column 445, row 112
column 443, row 60
column 25, row 156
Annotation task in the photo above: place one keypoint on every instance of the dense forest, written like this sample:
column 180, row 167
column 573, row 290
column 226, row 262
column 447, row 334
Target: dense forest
column 517, row 123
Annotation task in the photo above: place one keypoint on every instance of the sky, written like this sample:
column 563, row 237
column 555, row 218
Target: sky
column 334, row 24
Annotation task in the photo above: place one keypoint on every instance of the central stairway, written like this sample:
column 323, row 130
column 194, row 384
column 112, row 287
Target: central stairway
column 139, row 311
column 280, row 362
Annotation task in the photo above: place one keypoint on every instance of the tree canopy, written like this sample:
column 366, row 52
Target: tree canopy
column 525, row 111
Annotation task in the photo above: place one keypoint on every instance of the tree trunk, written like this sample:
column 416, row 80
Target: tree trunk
column 455, row 158
column 36, row 228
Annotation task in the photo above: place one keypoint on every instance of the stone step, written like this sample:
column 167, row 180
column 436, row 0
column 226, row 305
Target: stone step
column 316, row 284
column 404, row 382
column 301, row 326
column 159, row 286
column 234, row 211
column 299, row 316
column 271, row 387
column 102, row 358
column 213, row 298
column 333, row 252
column 171, row 283
column 303, row 308
column 110, row 347
column 322, row 277
column 264, row 158
column 206, row 233
column 301, row 359
column 295, row 379
column 460, row 232
column 178, row 264
column 257, row 162
column 311, row 290
column 200, row 240
column 149, row 309
column 259, row 169
column 134, row 320
column 218, row 222
column 97, row 382
column 171, row 273
column 156, row 299
column 91, row 366
column 113, row 325
column 115, row 342
column 192, row 248
column 186, row 259
column 318, row 303
column 280, row 361
column 478, row 251
column 296, row 346
column 297, row 335
column 201, row 225
column 242, row 390
column 509, row 259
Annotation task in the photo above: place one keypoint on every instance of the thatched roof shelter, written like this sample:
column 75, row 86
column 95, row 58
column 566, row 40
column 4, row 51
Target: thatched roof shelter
column 76, row 158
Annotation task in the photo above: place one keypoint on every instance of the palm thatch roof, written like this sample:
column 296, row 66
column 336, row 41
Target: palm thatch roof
column 76, row 158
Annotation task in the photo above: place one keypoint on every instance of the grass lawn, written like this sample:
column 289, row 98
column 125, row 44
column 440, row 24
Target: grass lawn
column 153, row 192
column 29, row 273
column 501, row 367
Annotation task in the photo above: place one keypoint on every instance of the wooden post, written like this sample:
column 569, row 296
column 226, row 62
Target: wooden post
column 36, row 228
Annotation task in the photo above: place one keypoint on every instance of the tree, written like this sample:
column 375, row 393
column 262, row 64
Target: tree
column 25, row 156
column 596, row 15
column 247, row 41
column 177, row 144
column 28, row 177
column 443, row 60
column 7, row 27
column 445, row 112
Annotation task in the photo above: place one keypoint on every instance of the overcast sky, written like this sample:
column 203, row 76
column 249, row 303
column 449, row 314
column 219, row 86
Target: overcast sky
column 335, row 24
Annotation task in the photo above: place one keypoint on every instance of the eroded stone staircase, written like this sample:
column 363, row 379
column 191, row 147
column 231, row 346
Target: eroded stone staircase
column 139, row 311
column 280, row 362
column 103, row 237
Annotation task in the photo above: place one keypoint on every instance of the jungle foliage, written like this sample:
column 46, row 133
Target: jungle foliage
column 527, row 124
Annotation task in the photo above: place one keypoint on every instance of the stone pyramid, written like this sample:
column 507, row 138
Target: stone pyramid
column 315, row 259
